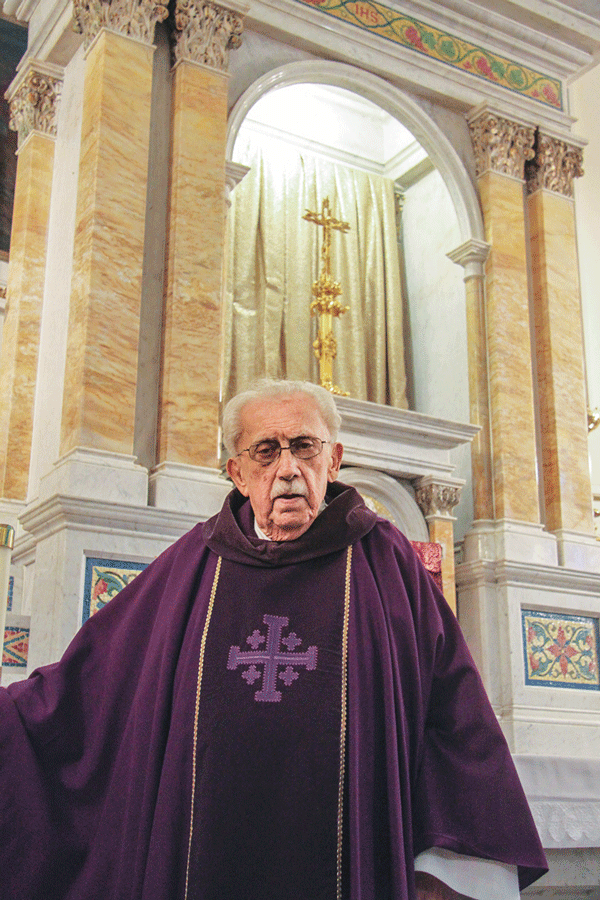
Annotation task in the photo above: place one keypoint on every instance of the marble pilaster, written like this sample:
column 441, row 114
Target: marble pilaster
column 188, row 419
column 102, row 349
column 437, row 499
column 501, row 148
column 558, row 336
column 33, row 98
column 472, row 256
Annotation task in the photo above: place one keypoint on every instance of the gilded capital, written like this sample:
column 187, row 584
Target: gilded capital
column 33, row 99
column 205, row 33
column 132, row 18
column 437, row 498
column 554, row 167
column 501, row 145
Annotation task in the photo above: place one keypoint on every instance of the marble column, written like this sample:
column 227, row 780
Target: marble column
column 188, row 420
column 102, row 351
column 501, row 149
column 33, row 98
column 559, row 341
column 472, row 256
column 437, row 499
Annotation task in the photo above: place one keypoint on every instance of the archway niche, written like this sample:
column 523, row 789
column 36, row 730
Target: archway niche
column 357, row 120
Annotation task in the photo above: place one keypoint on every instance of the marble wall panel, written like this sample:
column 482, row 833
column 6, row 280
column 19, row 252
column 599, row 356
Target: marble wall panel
column 21, row 332
column 560, row 367
column 441, row 531
column 101, row 372
column 509, row 350
column 189, row 398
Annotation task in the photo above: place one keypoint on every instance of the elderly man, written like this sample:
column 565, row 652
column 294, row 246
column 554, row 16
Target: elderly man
column 281, row 706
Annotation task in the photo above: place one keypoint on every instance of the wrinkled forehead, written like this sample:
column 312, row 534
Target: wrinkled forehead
column 287, row 416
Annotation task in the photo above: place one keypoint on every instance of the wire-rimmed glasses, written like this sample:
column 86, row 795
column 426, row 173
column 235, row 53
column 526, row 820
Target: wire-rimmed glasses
column 267, row 451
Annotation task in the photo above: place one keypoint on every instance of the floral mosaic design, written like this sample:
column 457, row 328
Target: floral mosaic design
column 104, row 578
column 561, row 650
column 392, row 25
column 16, row 647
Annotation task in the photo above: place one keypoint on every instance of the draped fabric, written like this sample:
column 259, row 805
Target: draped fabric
column 273, row 261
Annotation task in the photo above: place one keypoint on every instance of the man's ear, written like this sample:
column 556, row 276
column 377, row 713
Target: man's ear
column 234, row 471
column 337, row 451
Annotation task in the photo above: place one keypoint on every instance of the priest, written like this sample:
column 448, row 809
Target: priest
column 281, row 706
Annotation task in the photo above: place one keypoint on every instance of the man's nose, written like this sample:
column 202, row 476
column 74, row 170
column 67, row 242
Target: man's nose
column 287, row 464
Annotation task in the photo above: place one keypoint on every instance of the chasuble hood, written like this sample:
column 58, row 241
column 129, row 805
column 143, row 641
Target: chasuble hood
column 344, row 520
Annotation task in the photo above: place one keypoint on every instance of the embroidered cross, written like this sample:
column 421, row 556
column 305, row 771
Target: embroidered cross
column 272, row 658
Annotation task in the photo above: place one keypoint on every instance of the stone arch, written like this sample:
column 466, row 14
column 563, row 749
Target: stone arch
column 393, row 101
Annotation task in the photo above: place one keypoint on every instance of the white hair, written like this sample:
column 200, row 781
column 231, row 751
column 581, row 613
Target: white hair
column 267, row 389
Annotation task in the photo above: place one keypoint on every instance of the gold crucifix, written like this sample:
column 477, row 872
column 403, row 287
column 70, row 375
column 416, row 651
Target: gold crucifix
column 326, row 292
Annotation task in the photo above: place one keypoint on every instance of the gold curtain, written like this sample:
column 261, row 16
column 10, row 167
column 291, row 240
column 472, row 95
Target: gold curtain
column 273, row 260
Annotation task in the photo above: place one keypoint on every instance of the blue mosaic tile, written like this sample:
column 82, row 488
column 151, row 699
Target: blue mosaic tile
column 104, row 578
column 9, row 598
column 560, row 650
column 16, row 647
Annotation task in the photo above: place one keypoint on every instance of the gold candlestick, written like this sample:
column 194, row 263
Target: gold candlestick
column 326, row 304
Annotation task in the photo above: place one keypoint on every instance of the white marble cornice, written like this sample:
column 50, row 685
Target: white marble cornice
column 313, row 30
column 544, row 32
column 401, row 442
column 43, row 518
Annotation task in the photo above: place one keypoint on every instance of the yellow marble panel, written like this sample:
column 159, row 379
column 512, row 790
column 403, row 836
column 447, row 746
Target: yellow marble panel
column 101, row 371
column 560, row 366
column 441, row 531
column 509, row 350
column 25, row 290
column 481, row 462
column 189, row 399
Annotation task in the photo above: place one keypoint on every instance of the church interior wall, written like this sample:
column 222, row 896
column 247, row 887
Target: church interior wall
column 584, row 94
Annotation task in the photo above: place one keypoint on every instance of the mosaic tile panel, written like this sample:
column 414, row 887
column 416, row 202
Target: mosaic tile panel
column 9, row 599
column 16, row 647
column 425, row 39
column 560, row 650
column 104, row 578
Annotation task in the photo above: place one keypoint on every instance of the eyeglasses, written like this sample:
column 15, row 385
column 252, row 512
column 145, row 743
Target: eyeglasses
column 265, row 452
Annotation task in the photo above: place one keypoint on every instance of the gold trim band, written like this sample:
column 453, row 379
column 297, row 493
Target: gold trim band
column 211, row 604
column 343, row 724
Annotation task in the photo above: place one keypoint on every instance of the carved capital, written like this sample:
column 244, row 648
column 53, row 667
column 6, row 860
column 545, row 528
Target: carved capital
column 132, row 18
column 501, row 145
column 33, row 98
column 205, row 33
column 437, row 498
column 554, row 166
column 471, row 256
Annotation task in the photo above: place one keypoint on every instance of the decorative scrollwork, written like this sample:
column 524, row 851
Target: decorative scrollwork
column 554, row 167
column 132, row 18
column 34, row 104
column 501, row 145
column 206, row 33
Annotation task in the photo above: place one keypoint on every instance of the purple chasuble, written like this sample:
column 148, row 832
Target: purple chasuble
column 115, row 786
column 268, row 735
